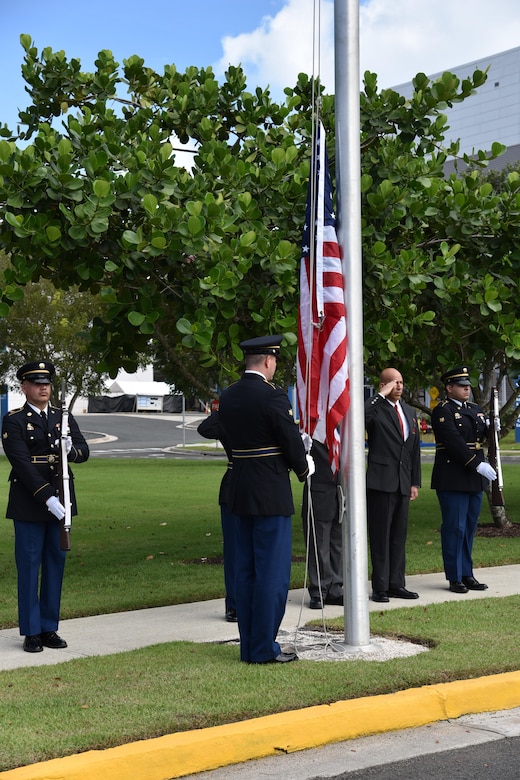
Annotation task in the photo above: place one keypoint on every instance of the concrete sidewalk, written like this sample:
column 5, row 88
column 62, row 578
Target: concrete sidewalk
column 270, row 739
column 204, row 621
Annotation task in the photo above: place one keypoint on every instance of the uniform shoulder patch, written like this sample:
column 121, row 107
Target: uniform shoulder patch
column 15, row 411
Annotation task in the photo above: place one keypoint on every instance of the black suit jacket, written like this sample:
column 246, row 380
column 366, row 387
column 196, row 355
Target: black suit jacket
column 324, row 486
column 394, row 465
column 265, row 443
column 23, row 436
column 211, row 428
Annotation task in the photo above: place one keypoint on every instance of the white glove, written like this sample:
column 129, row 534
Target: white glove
column 55, row 506
column 498, row 427
column 311, row 465
column 68, row 444
column 487, row 471
column 307, row 441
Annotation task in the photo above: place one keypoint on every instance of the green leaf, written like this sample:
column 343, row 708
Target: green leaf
column 53, row 233
column 5, row 150
column 184, row 326
column 246, row 239
column 26, row 41
column 278, row 156
column 136, row 318
column 102, row 188
column 159, row 240
column 150, row 204
column 195, row 225
column 130, row 237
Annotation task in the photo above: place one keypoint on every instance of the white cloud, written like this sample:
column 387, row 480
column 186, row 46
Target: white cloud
column 282, row 46
column 397, row 40
column 401, row 38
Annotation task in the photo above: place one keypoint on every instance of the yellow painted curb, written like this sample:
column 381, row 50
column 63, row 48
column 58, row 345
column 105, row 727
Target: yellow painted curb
column 185, row 753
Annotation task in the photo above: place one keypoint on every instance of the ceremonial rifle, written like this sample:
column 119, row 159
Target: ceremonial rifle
column 497, row 498
column 64, row 486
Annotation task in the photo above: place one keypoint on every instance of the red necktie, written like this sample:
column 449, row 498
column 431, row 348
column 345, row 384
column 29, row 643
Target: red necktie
column 398, row 413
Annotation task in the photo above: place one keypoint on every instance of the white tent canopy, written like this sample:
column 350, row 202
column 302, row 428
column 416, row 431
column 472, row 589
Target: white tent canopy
column 148, row 395
column 123, row 387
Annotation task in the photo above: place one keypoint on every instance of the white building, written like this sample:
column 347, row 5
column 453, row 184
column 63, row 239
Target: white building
column 492, row 113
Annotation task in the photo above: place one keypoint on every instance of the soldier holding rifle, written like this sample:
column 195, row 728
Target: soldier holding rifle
column 31, row 438
column 460, row 474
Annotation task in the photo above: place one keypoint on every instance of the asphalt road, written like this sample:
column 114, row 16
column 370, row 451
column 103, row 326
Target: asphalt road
column 143, row 435
column 491, row 760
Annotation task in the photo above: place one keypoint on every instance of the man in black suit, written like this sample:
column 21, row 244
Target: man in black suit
column 265, row 444
column 322, row 531
column 32, row 444
column 393, row 480
column 459, row 476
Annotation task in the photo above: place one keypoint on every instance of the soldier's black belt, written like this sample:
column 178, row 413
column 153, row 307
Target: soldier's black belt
column 44, row 459
column 261, row 452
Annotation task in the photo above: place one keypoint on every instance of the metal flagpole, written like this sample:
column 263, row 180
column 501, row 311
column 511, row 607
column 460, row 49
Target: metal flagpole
column 348, row 188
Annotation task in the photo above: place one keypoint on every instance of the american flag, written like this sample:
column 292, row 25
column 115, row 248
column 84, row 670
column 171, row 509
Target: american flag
column 322, row 367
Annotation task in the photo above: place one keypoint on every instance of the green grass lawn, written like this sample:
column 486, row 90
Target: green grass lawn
column 148, row 534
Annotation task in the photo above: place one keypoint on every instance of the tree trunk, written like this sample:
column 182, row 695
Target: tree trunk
column 498, row 513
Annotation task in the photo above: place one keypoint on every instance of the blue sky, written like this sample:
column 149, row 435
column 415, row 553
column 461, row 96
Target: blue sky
column 272, row 39
column 160, row 31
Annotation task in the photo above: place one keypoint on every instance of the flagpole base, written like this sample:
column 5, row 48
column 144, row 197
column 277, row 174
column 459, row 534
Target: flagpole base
column 372, row 648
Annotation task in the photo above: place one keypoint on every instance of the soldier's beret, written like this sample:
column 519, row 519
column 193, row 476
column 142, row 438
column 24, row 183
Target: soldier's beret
column 263, row 345
column 456, row 376
column 39, row 371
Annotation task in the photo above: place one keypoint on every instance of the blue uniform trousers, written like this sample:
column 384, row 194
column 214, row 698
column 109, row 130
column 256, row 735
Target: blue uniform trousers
column 37, row 547
column 460, row 514
column 262, row 577
column 229, row 521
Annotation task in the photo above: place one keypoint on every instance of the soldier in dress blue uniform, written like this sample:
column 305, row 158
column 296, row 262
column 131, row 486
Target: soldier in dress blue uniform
column 265, row 445
column 32, row 444
column 211, row 428
column 459, row 476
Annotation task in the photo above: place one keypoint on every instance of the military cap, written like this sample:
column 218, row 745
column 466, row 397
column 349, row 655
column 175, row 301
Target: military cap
column 263, row 345
column 39, row 371
column 457, row 376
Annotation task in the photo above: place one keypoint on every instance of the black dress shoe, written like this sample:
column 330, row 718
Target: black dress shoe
column 402, row 593
column 281, row 658
column 51, row 639
column 472, row 584
column 285, row 658
column 380, row 595
column 315, row 602
column 33, row 644
column 458, row 587
column 231, row 616
column 334, row 600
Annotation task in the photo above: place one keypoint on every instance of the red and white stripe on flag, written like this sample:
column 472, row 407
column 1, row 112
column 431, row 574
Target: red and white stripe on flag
column 322, row 365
